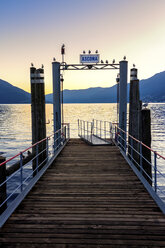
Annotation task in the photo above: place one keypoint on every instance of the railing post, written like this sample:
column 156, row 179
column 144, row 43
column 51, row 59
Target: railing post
column 78, row 127
column 3, row 185
column 116, row 134
column 69, row 131
column 36, row 159
column 96, row 128
column 87, row 129
column 100, row 129
column 155, row 171
column 81, row 128
column 110, row 135
column 21, row 167
column 65, row 133
column 47, row 148
column 141, row 169
column 92, row 129
column 105, row 130
column 131, row 149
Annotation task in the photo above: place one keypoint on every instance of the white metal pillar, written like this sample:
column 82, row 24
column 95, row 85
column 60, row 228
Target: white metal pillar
column 56, row 102
column 123, row 101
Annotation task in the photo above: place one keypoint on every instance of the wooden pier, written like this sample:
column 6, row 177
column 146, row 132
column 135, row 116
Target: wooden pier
column 89, row 197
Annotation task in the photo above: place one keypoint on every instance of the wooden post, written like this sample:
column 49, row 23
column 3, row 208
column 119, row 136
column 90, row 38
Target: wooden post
column 134, row 116
column 38, row 114
column 146, row 139
column 3, row 187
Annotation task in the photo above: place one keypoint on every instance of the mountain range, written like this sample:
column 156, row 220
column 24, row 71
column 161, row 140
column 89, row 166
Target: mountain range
column 151, row 90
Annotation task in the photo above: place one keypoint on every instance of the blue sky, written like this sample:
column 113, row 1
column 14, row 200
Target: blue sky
column 33, row 31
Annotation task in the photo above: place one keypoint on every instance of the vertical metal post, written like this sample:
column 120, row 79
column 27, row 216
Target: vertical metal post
column 100, row 129
column 3, row 191
column 105, row 130
column 123, row 100
column 78, row 128
column 141, row 169
column 47, row 148
column 92, row 129
column 69, row 131
column 96, row 128
column 155, row 171
column 131, row 148
column 65, row 134
column 110, row 135
column 21, row 175
column 115, row 133
column 87, row 129
column 37, row 158
column 56, row 101
column 81, row 128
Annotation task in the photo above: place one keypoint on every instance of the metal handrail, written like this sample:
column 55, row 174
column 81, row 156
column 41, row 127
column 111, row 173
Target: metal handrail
column 127, row 144
column 6, row 161
column 35, row 166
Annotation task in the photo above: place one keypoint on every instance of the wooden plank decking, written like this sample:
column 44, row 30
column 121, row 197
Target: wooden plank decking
column 88, row 198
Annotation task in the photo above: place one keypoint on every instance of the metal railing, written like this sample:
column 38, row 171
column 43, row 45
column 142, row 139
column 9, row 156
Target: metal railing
column 135, row 150
column 96, row 128
column 144, row 161
column 103, row 130
column 85, row 130
column 20, row 182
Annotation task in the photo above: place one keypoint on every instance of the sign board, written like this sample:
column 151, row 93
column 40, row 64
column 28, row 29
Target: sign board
column 89, row 58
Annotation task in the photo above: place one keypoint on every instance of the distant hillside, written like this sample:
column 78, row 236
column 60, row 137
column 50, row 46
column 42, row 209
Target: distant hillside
column 12, row 94
column 91, row 95
column 151, row 90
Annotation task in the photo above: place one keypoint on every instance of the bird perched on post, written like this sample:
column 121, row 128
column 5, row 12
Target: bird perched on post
column 145, row 105
column 113, row 61
column 32, row 64
column 134, row 65
column 42, row 66
column 96, row 51
column 54, row 59
column 124, row 58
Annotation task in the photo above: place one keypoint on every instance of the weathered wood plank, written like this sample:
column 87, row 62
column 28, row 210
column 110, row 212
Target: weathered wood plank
column 88, row 198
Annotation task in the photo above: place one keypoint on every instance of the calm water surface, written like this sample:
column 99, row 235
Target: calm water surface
column 15, row 128
column 15, row 123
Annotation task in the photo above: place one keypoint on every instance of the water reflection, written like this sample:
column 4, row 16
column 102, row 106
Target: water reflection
column 15, row 123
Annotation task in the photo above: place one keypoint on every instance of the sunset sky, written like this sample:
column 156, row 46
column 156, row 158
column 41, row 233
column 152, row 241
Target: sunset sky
column 34, row 30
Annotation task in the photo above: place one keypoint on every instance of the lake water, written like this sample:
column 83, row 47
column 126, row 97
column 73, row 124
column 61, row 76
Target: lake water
column 15, row 123
column 15, row 127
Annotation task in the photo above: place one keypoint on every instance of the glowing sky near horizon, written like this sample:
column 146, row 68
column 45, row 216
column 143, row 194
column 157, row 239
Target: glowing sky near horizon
column 34, row 30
